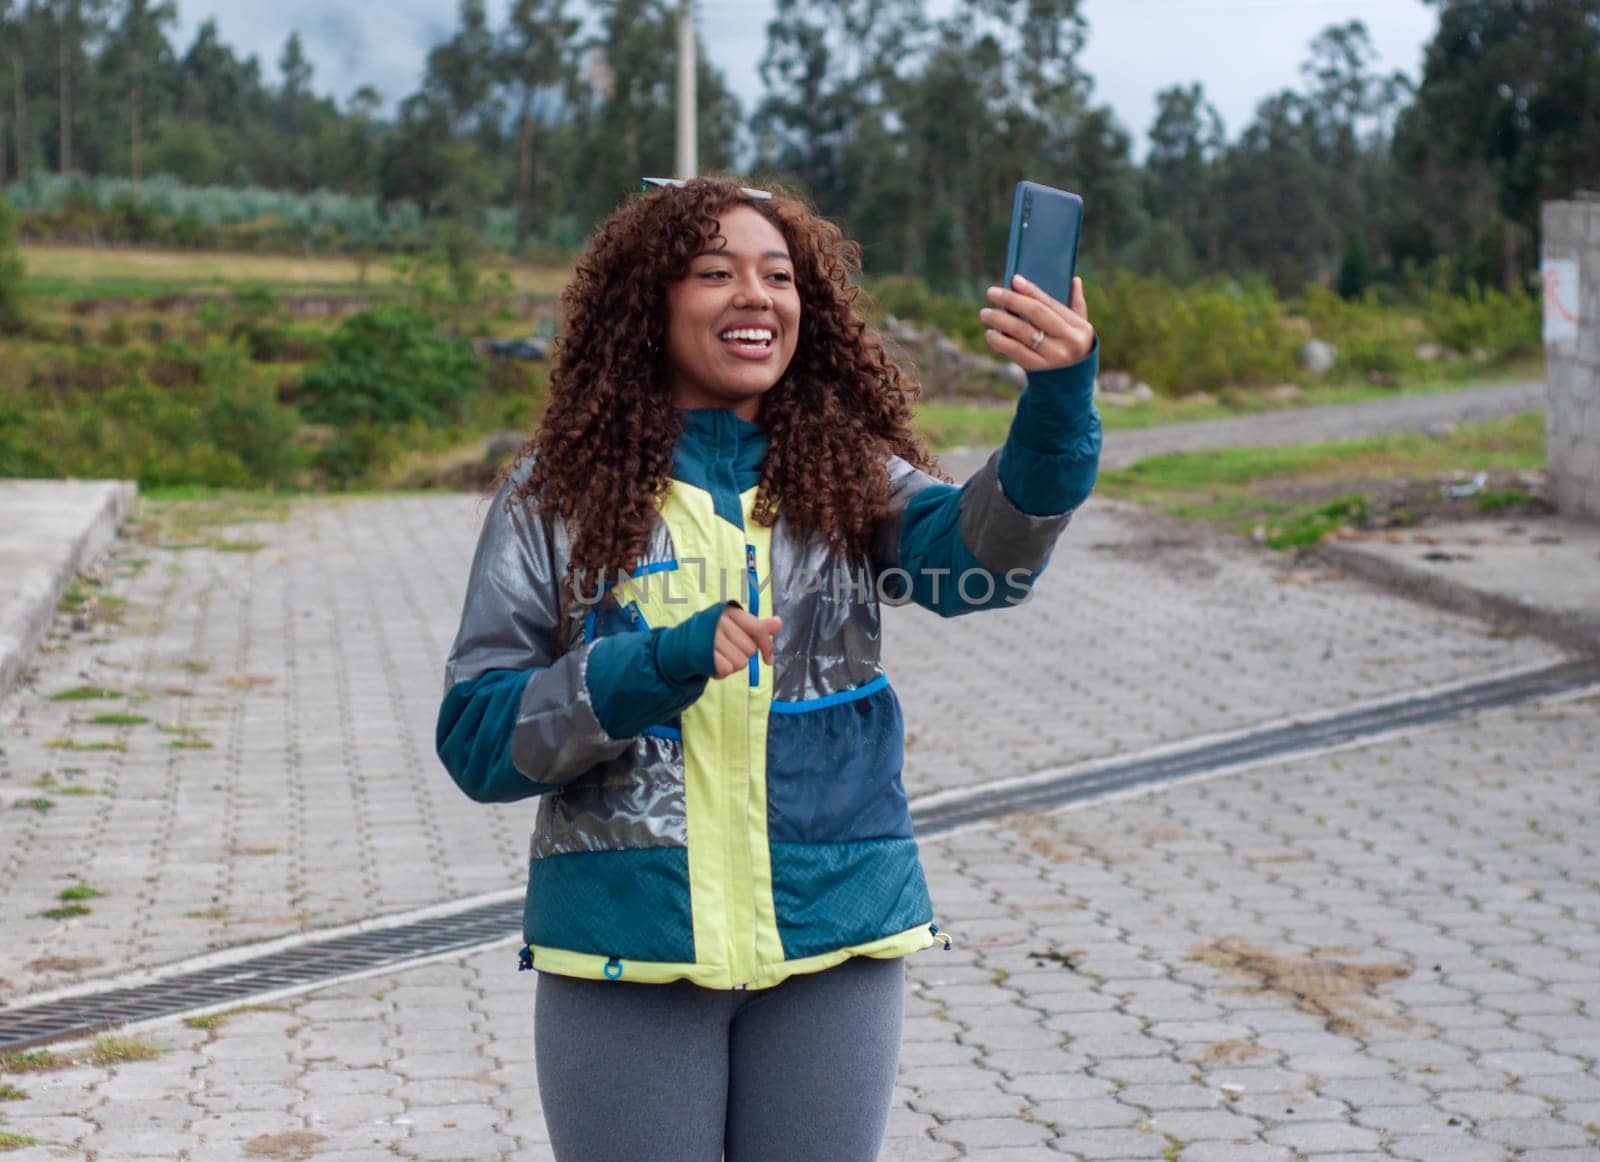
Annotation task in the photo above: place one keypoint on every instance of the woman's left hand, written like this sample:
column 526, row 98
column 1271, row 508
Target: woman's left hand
column 1052, row 334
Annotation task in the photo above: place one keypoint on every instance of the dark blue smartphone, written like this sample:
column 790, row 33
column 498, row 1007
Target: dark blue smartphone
column 1046, row 224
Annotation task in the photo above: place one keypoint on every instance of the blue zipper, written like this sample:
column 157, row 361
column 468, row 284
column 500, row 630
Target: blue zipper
column 755, row 606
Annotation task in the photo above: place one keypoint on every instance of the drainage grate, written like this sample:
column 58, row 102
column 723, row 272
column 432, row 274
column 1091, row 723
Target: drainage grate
column 1408, row 713
column 85, row 1015
column 91, row 1013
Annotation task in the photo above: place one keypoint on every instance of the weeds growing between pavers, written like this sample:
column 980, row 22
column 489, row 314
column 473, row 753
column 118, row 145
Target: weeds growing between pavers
column 209, row 1021
column 87, row 694
column 48, row 782
column 66, row 742
column 105, row 1051
column 118, row 720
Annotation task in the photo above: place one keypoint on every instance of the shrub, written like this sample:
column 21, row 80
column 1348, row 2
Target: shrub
column 12, row 272
column 387, row 366
column 911, row 299
column 1217, row 334
column 256, row 320
column 217, row 427
column 1483, row 319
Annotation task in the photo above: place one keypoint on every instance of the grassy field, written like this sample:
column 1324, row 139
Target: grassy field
column 87, row 272
column 1296, row 495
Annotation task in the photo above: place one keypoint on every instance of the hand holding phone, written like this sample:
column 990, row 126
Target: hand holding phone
column 1044, row 318
column 1035, row 330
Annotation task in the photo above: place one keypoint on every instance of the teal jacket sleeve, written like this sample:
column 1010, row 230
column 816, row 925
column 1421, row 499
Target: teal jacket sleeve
column 1052, row 454
column 982, row 545
column 644, row 677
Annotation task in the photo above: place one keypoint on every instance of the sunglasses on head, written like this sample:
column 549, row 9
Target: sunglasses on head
column 646, row 183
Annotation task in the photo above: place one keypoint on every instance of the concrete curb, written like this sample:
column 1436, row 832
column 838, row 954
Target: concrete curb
column 36, row 570
column 1575, row 632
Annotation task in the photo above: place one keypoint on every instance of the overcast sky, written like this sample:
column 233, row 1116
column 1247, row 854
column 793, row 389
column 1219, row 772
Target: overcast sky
column 1241, row 50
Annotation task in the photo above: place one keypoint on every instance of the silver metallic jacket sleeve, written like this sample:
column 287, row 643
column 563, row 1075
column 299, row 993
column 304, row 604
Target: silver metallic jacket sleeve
column 511, row 620
column 994, row 530
column 997, row 532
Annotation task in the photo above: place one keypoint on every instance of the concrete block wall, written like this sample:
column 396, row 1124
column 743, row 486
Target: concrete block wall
column 1572, row 414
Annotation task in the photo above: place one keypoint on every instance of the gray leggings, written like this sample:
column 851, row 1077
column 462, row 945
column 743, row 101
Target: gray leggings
column 801, row 1072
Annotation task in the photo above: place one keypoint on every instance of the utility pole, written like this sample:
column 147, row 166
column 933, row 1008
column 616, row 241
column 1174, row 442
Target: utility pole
column 688, row 145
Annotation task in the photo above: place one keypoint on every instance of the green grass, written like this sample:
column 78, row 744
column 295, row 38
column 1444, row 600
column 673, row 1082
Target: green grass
column 1226, row 487
column 38, row 804
column 86, row 694
column 1302, row 529
column 33, row 1061
column 1495, row 500
column 74, row 744
column 78, row 892
column 118, row 720
column 9, row 1092
column 10, row 1141
column 216, row 1020
column 120, row 1051
column 66, row 911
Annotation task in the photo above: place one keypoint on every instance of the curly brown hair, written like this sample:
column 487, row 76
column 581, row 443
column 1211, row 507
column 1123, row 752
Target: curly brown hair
column 603, row 450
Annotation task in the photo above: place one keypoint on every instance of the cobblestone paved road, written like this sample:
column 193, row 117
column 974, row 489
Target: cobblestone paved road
column 1393, row 953
column 286, row 781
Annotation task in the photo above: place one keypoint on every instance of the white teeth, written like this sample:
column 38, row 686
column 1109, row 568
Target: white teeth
column 754, row 334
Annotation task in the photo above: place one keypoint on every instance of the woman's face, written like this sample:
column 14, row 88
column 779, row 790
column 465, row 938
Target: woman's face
column 733, row 321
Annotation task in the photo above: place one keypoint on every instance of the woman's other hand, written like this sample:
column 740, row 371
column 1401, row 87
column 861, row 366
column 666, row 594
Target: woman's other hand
column 1051, row 335
column 740, row 636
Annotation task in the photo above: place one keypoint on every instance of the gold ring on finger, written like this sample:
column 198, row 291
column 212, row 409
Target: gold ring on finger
column 1038, row 338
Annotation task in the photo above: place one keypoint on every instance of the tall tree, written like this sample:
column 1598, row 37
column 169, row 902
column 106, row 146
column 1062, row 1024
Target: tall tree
column 137, row 60
column 1186, row 144
column 537, row 58
column 78, row 24
column 834, row 70
column 296, row 114
column 623, row 127
column 461, row 74
column 11, row 38
column 1276, row 217
column 1512, row 86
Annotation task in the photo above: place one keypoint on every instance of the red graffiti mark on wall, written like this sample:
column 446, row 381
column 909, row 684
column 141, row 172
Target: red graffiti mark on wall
column 1552, row 294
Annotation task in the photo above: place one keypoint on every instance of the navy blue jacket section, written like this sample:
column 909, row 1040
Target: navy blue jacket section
column 473, row 737
column 833, row 774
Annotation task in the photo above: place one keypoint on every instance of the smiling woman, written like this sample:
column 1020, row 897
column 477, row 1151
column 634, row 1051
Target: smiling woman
column 671, row 634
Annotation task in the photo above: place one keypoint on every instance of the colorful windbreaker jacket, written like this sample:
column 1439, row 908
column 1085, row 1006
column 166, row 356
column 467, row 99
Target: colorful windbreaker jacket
column 734, row 832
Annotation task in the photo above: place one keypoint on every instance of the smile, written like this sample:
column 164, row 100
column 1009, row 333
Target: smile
column 748, row 342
